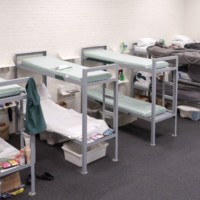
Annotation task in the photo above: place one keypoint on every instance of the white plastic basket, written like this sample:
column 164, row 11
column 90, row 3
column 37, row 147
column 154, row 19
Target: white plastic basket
column 72, row 152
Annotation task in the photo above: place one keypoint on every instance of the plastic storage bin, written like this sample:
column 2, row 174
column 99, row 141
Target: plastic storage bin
column 73, row 154
column 189, row 112
column 93, row 109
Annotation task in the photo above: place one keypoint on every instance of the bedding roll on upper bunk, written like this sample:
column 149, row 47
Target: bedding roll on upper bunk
column 60, row 69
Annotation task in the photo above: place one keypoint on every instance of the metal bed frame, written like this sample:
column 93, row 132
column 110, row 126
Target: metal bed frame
column 84, row 86
column 154, row 71
column 19, row 102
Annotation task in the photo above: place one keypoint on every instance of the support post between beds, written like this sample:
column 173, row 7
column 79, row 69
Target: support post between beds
column 175, row 95
column 115, row 123
column 84, row 86
column 153, row 103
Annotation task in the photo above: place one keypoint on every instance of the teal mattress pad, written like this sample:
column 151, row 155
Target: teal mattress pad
column 9, row 90
column 127, row 104
column 128, row 61
column 59, row 68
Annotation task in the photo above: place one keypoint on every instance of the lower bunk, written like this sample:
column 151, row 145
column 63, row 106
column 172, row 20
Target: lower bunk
column 68, row 122
column 138, row 108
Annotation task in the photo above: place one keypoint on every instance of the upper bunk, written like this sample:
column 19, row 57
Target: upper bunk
column 63, row 70
column 101, row 54
column 11, row 90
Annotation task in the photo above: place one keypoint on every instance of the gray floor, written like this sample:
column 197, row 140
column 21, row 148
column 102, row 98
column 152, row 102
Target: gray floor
column 168, row 171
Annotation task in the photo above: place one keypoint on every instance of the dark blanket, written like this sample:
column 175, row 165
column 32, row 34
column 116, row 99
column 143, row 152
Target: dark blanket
column 190, row 57
column 192, row 46
column 185, row 93
column 186, row 56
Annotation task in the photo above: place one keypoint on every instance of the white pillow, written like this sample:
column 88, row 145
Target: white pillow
column 182, row 38
column 43, row 92
column 146, row 42
column 179, row 43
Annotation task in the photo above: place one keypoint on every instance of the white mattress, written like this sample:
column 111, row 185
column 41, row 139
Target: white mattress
column 127, row 104
column 123, row 59
column 7, row 150
column 68, row 122
column 60, row 69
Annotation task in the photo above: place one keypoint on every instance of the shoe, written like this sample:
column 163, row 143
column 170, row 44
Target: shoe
column 28, row 180
column 46, row 176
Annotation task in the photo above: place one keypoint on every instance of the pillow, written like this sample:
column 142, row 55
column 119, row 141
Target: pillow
column 182, row 38
column 43, row 92
column 146, row 42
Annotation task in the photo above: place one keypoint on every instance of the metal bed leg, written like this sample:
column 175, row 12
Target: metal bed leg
column 175, row 94
column 32, row 144
column 175, row 127
column 115, row 95
column 153, row 106
column 84, row 158
column 115, row 159
column 153, row 134
column 84, row 122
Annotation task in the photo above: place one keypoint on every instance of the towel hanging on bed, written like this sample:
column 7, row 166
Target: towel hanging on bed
column 34, row 122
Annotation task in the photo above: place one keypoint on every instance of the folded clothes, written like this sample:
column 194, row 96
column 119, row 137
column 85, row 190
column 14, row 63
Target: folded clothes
column 108, row 132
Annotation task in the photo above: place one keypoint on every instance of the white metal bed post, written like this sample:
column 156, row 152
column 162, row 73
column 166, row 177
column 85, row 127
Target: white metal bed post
column 32, row 146
column 104, row 103
column 153, row 104
column 84, row 86
column 175, row 95
column 115, row 123
column 32, row 137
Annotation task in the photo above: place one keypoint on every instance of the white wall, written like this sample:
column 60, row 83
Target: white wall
column 192, row 16
column 68, row 25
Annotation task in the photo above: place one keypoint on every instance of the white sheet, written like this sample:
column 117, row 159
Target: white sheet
column 7, row 150
column 68, row 122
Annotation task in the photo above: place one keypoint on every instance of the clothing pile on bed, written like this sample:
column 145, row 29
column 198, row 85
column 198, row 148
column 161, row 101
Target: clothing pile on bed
column 142, row 80
column 186, row 56
column 181, row 41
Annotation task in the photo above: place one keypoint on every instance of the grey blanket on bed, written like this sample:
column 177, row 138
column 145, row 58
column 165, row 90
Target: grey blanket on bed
column 186, row 56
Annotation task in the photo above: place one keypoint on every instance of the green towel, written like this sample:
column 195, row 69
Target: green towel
column 34, row 122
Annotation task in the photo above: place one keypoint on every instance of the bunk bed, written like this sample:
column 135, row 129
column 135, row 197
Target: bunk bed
column 40, row 63
column 189, row 71
column 146, row 111
column 10, row 91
